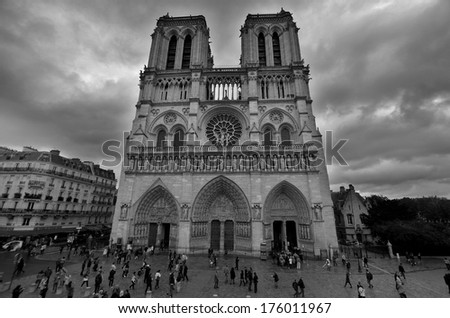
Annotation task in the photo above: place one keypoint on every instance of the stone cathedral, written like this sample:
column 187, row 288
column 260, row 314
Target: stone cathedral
column 221, row 157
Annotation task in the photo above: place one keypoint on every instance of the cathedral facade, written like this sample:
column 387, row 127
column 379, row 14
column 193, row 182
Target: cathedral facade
column 225, row 158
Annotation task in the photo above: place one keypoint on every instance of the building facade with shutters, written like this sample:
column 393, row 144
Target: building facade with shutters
column 44, row 193
column 221, row 158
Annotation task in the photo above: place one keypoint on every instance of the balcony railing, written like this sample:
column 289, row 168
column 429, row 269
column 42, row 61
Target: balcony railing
column 5, row 195
column 17, row 195
column 231, row 159
column 32, row 196
column 48, row 197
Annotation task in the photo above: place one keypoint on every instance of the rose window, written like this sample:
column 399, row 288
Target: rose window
column 276, row 116
column 224, row 130
column 170, row 118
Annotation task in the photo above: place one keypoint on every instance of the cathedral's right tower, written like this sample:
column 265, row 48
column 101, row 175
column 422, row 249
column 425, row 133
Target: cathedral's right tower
column 223, row 160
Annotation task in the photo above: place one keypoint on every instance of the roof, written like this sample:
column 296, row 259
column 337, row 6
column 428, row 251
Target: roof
column 55, row 158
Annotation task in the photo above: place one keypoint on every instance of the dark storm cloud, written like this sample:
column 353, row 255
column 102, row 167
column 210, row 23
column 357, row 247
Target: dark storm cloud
column 69, row 75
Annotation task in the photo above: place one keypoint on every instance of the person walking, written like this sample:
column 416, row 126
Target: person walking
column 347, row 279
column 112, row 272
column 361, row 290
column 237, row 263
column 275, row 279
column 242, row 280
column 250, row 279
column 216, row 281
column 401, row 269
column 447, row 263
column 185, row 271
column 98, row 281
column 301, row 287
column 148, row 282
column 295, row 286
column 369, row 278
column 348, row 266
column 232, row 276
column 327, row 264
column 133, row 281
column 157, row 278
column 125, row 269
column 447, row 281
column 226, row 272
column 171, row 284
column 366, row 262
column 70, row 290
column 85, row 280
column 399, row 287
column 83, row 266
column 255, row 282
column 17, row 291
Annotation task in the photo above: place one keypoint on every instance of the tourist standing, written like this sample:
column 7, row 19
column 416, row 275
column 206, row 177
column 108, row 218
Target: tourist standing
column 275, row 279
column 301, row 287
column 232, row 276
column 255, row 282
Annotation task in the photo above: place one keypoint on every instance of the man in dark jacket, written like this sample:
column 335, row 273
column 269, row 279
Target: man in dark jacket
column 301, row 287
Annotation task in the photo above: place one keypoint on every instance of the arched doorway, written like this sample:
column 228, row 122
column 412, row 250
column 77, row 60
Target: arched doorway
column 287, row 220
column 156, row 220
column 221, row 218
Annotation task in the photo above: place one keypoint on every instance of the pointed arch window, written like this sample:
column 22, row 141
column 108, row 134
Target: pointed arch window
column 276, row 49
column 268, row 137
column 286, row 137
column 161, row 139
column 186, row 62
column 171, row 53
column 178, row 139
column 262, row 49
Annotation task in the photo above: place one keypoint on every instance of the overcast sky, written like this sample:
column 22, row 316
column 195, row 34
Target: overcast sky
column 380, row 78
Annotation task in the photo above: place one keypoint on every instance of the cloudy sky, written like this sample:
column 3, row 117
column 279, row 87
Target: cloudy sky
column 380, row 78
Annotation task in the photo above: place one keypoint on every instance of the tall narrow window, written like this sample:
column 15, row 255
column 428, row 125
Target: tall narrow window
column 161, row 139
column 276, row 49
column 262, row 50
column 268, row 137
column 178, row 139
column 285, row 137
column 171, row 53
column 187, row 52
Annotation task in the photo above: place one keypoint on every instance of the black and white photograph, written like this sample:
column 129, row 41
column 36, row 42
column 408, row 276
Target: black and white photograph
column 225, row 149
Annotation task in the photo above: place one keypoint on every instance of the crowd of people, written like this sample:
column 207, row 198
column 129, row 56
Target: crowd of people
column 105, row 274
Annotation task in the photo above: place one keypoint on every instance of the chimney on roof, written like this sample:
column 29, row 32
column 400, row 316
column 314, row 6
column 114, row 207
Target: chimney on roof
column 55, row 152
column 342, row 190
column 29, row 149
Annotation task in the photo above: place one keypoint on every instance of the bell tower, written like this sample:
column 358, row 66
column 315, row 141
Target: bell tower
column 180, row 43
column 270, row 40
